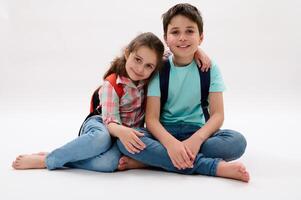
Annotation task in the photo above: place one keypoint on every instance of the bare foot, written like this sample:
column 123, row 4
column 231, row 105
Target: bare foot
column 42, row 153
column 233, row 170
column 126, row 163
column 33, row 161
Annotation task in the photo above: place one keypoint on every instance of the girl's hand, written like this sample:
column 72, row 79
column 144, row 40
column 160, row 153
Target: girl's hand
column 130, row 140
column 166, row 54
column 179, row 155
column 202, row 60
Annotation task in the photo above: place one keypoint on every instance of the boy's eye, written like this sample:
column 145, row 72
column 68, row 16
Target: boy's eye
column 190, row 31
column 174, row 32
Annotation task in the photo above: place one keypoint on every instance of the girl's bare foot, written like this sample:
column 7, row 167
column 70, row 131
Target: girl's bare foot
column 233, row 170
column 33, row 161
column 126, row 163
column 42, row 153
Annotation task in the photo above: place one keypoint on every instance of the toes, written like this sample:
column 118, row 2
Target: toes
column 121, row 167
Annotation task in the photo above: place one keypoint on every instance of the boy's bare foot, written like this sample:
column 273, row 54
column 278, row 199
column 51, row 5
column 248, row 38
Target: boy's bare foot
column 32, row 161
column 233, row 170
column 126, row 163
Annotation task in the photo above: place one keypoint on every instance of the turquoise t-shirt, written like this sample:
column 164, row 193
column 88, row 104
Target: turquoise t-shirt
column 184, row 93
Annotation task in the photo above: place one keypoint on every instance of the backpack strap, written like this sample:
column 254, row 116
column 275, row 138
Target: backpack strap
column 204, row 82
column 164, row 82
column 95, row 97
column 95, row 101
column 118, row 89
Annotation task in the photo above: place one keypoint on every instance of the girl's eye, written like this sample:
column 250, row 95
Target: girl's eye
column 150, row 66
column 190, row 31
column 174, row 32
column 138, row 60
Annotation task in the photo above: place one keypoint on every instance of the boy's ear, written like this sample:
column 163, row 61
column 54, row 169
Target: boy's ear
column 201, row 38
column 165, row 39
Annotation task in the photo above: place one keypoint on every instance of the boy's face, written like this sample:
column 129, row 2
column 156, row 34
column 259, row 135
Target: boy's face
column 183, row 37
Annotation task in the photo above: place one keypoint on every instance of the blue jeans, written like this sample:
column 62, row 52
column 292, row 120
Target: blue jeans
column 94, row 149
column 223, row 145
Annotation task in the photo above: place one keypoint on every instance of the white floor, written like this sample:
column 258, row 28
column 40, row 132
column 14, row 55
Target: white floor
column 52, row 52
column 273, row 156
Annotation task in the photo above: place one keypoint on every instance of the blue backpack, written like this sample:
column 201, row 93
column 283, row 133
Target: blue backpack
column 204, row 81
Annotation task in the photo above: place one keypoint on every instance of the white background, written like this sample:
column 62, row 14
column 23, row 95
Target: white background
column 54, row 53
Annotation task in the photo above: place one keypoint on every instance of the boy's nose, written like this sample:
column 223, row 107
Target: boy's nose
column 182, row 37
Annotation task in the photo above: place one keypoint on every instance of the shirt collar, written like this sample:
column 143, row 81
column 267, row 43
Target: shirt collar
column 127, row 81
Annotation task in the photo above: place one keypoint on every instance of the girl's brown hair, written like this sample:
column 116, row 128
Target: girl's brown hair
column 149, row 40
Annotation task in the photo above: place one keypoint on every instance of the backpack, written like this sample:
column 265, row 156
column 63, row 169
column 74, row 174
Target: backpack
column 204, row 81
column 95, row 109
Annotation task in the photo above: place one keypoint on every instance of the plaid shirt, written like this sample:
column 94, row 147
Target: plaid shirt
column 129, row 110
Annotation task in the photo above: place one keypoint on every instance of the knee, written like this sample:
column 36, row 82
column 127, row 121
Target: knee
column 100, row 141
column 122, row 148
column 239, row 144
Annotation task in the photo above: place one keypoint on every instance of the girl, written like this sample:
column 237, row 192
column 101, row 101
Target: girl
column 95, row 149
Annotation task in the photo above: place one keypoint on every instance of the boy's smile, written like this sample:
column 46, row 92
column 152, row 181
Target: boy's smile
column 183, row 39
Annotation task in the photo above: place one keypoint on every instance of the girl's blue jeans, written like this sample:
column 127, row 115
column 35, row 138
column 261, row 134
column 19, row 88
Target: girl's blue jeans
column 224, row 145
column 94, row 149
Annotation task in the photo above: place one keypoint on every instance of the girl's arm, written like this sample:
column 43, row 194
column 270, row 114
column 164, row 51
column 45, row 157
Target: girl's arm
column 128, row 136
column 202, row 60
column 200, row 57
column 111, row 118
column 178, row 153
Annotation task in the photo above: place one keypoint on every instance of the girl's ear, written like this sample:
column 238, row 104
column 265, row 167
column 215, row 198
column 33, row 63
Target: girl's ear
column 126, row 53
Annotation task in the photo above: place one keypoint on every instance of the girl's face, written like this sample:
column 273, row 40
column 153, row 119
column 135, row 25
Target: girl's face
column 141, row 63
column 183, row 37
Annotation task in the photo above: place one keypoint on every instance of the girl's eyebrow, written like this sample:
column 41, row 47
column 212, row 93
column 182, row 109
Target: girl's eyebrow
column 142, row 59
column 138, row 55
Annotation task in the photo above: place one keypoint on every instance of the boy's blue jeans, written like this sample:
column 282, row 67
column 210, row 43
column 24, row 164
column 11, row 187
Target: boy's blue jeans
column 93, row 150
column 223, row 145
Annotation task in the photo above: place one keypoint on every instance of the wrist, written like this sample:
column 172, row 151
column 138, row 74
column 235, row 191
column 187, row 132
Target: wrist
column 200, row 137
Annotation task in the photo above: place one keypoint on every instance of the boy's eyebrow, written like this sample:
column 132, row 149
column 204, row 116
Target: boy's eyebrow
column 192, row 27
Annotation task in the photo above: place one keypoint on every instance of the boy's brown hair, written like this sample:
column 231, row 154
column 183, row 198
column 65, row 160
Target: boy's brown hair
column 186, row 10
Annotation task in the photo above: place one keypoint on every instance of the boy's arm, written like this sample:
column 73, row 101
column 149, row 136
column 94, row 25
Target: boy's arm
column 178, row 153
column 216, row 107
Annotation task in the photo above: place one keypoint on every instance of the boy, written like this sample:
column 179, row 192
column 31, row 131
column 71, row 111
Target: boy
column 184, row 139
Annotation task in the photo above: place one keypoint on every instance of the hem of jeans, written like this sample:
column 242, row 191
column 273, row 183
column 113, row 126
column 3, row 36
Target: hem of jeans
column 49, row 162
column 214, row 166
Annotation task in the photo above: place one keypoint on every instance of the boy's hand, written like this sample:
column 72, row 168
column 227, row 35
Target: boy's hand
column 202, row 60
column 130, row 140
column 194, row 145
column 180, row 155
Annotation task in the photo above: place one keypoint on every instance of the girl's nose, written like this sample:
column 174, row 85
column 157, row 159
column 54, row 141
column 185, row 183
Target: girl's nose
column 139, row 68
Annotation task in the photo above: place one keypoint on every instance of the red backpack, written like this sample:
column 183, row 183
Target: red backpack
column 95, row 109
